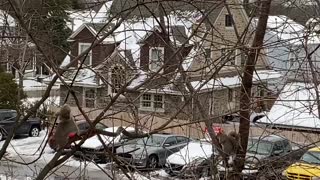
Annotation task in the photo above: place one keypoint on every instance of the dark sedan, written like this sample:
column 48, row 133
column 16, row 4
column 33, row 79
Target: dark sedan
column 8, row 118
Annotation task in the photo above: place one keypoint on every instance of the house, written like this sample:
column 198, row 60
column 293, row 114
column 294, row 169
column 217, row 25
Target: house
column 295, row 108
column 287, row 45
column 163, row 47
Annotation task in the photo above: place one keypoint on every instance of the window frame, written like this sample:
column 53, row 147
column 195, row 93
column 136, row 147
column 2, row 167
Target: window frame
column 84, row 103
column 89, row 54
column 151, row 60
column 152, row 103
column 228, row 18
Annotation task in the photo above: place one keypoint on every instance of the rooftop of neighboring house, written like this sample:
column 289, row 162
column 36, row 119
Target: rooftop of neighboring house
column 234, row 81
column 288, row 31
column 296, row 106
column 150, row 8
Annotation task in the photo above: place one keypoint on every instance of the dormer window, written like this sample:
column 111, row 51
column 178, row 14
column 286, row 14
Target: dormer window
column 156, row 55
column 228, row 20
column 88, row 57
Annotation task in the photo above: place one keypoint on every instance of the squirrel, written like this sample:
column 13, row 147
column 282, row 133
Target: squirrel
column 229, row 142
column 65, row 127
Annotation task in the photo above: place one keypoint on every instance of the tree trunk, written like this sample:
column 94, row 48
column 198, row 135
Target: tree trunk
column 245, row 97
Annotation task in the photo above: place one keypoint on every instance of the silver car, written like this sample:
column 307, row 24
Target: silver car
column 151, row 152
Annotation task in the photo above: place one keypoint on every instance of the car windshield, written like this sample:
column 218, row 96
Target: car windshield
column 311, row 157
column 259, row 147
column 151, row 141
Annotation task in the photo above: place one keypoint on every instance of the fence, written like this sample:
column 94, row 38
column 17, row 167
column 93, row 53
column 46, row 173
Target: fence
column 194, row 130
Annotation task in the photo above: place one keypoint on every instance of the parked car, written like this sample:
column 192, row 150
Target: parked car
column 93, row 149
column 31, row 127
column 83, row 126
column 191, row 161
column 269, row 155
column 151, row 152
column 308, row 167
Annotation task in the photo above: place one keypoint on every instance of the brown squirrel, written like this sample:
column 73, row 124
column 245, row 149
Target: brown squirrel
column 229, row 143
column 66, row 126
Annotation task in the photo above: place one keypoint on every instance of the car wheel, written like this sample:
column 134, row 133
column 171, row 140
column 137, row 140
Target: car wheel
column 153, row 162
column 34, row 132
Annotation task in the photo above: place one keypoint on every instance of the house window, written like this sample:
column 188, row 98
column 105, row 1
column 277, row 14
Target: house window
column 229, row 55
column 156, row 58
column 207, row 53
column 89, row 97
column 146, row 101
column 118, row 78
column 88, row 57
column 230, row 95
column 228, row 20
column 152, row 102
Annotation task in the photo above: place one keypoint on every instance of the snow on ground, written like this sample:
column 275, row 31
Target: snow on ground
column 28, row 149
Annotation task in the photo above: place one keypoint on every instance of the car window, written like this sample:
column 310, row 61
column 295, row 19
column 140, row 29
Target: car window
column 286, row 145
column 100, row 126
column 277, row 146
column 181, row 139
column 8, row 116
column 171, row 141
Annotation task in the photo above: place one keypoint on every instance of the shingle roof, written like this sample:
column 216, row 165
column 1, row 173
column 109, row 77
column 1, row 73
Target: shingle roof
column 149, row 8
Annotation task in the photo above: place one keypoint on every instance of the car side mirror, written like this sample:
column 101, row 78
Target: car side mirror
column 166, row 145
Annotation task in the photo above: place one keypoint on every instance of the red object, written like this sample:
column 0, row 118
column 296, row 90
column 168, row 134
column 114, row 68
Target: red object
column 72, row 135
column 216, row 129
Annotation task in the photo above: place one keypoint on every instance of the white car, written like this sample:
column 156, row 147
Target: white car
column 93, row 149
column 190, row 161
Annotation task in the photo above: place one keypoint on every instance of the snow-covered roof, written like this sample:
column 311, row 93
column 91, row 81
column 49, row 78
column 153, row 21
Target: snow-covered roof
column 222, row 82
column 289, row 31
column 86, row 77
column 34, row 85
column 131, row 32
column 296, row 106
column 77, row 18
column 102, row 14
column 6, row 19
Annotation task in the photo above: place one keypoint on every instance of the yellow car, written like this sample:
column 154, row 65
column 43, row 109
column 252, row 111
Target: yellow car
column 308, row 168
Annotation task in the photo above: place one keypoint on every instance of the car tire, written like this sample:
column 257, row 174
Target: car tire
column 34, row 131
column 153, row 162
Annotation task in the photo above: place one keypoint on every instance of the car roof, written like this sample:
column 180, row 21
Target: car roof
column 270, row 138
column 166, row 135
column 6, row 110
column 115, row 128
column 317, row 149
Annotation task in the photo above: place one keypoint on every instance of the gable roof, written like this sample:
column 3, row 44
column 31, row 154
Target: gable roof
column 97, row 30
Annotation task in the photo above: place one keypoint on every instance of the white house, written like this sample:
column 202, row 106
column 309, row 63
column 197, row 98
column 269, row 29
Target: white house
column 288, row 45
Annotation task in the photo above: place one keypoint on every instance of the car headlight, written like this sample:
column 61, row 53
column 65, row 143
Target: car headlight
column 315, row 178
column 284, row 173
